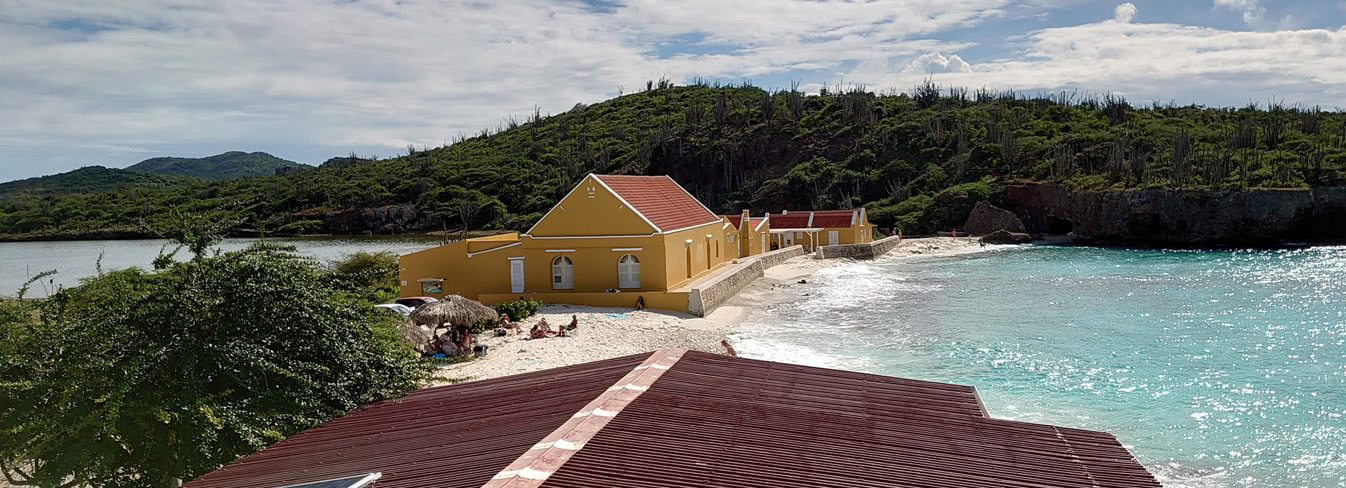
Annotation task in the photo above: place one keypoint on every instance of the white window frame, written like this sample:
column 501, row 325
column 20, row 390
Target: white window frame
column 625, row 277
column 562, row 273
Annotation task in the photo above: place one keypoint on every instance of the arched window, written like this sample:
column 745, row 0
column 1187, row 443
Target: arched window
column 628, row 272
column 562, row 273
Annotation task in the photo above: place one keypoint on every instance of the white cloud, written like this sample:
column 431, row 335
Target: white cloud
column 1253, row 11
column 122, row 79
column 1124, row 12
column 1198, row 64
column 938, row 63
column 253, row 74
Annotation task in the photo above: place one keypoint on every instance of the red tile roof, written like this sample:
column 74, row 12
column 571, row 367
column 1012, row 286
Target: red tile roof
column 678, row 418
column 661, row 200
column 756, row 222
column 734, row 219
column 821, row 219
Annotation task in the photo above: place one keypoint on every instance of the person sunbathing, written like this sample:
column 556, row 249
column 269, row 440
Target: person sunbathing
column 506, row 323
column 540, row 330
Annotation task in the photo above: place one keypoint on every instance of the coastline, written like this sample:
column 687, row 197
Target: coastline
column 613, row 332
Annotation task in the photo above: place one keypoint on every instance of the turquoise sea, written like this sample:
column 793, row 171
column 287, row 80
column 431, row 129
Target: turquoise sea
column 1217, row 368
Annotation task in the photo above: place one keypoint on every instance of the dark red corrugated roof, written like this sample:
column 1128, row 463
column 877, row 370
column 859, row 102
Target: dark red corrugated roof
column 678, row 418
column 821, row 218
column 661, row 200
column 734, row 219
column 725, row 422
column 448, row 436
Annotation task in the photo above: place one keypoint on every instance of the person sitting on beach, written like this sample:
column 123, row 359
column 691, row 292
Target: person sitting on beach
column 465, row 340
column 640, row 303
column 445, row 343
column 540, row 330
column 506, row 323
column 574, row 324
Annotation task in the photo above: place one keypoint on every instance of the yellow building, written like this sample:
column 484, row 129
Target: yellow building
column 812, row 228
column 752, row 239
column 610, row 240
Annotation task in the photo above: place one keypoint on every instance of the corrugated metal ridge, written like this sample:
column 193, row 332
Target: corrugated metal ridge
column 715, row 421
column 422, row 436
column 548, row 455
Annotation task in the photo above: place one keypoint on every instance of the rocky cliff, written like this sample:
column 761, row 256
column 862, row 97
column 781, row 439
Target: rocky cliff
column 1253, row 217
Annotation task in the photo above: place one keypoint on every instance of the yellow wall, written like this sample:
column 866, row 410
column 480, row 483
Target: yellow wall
column 704, row 254
column 675, row 301
column 572, row 230
column 591, row 213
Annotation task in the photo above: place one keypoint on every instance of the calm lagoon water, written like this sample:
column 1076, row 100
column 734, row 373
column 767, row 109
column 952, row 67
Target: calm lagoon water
column 1217, row 368
column 78, row 259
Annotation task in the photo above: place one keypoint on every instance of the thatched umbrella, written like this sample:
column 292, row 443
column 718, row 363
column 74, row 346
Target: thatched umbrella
column 453, row 310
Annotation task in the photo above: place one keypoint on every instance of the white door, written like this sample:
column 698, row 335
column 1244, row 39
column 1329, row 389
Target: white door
column 562, row 273
column 628, row 272
column 763, row 241
column 516, row 276
column 833, row 237
column 789, row 239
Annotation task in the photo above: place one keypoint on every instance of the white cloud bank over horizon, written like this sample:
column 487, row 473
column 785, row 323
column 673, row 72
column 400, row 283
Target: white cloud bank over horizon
column 90, row 82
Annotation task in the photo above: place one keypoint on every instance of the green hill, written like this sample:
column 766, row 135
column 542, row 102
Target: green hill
column 917, row 160
column 226, row 166
column 89, row 179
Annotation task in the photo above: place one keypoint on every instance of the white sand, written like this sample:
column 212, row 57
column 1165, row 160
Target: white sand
column 610, row 332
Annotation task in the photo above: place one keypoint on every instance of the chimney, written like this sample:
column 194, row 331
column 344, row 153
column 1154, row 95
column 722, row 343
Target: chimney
column 783, row 212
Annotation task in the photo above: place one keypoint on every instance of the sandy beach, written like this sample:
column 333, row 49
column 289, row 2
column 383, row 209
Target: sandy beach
column 611, row 332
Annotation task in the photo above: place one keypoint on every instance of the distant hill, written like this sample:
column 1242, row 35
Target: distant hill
column 226, row 166
column 91, row 179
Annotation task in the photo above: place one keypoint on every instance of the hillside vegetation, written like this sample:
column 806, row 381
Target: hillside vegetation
column 917, row 160
column 224, row 166
column 89, row 179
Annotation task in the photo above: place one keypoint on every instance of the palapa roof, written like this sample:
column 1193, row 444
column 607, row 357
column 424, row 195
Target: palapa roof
column 678, row 418
column 662, row 201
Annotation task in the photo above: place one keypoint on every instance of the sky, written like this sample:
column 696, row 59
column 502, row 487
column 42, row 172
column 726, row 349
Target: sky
column 94, row 82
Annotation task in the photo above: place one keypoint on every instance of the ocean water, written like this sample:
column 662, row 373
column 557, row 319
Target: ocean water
column 73, row 260
column 1216, row 368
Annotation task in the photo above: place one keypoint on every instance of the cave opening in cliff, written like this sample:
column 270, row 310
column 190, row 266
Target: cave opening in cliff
column 1059, row 226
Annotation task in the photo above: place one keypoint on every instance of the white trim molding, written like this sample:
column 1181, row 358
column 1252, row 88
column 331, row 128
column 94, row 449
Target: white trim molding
column 497, row 248
column 590, row 237
column 560, row 250
column 515, row 258
column 628, row 249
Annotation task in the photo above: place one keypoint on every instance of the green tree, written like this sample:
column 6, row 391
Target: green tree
column 144, row 378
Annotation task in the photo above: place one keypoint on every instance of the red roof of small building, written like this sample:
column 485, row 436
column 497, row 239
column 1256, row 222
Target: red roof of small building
column 678, row 418
column 661, row 200
column 734, row 219
column 757, row 222
column 820, row 219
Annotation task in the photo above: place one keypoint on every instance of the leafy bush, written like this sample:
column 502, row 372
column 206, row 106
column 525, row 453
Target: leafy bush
column 370, row 275
column 519, row 309
column 142, row 378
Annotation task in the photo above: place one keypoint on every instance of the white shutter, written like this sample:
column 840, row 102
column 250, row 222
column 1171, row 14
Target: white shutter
column 628, row 272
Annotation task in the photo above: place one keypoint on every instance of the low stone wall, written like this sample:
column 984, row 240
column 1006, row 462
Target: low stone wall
column 869, row 250
column 703, row 299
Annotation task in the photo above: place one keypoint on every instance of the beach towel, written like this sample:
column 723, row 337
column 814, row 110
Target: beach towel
column 618, row 315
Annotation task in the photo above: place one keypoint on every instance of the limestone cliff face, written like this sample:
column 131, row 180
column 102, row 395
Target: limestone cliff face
column 1184, row 218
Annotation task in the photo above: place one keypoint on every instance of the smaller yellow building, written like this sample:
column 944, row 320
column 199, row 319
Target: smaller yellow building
column 751, row 239
column 813, row 228
column 610, row 240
